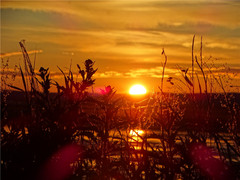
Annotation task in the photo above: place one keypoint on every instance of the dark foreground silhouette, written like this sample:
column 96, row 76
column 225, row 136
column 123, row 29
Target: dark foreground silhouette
column 74, row 134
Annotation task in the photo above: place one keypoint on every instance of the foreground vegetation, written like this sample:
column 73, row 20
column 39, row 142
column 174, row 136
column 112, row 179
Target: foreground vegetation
column 74, row 134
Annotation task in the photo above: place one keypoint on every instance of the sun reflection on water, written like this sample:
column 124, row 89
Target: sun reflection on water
column 136, row 132
column 136, row 138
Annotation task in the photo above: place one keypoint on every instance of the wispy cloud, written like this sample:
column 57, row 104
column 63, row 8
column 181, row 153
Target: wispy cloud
column 2, row 55
column 222, row 46
column 141, row 73
column 138, row 73
column 108, row 74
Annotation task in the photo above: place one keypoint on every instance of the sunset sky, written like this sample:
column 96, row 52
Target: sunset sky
column 124, row 38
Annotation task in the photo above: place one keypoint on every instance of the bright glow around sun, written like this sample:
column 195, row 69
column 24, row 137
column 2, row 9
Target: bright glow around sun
column 137, row 90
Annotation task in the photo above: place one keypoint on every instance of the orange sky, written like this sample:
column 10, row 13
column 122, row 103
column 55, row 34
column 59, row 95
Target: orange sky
column 124, row 38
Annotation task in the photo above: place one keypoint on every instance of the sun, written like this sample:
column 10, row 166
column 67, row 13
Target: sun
column 137, row 89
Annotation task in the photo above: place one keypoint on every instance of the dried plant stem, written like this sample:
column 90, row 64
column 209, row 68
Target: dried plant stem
column 193, row 64
column 164, row 66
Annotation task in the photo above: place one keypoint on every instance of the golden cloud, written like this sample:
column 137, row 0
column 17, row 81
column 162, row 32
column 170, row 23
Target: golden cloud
column 2, row 55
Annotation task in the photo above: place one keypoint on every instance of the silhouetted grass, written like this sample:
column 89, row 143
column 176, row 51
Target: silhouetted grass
column 74, row 134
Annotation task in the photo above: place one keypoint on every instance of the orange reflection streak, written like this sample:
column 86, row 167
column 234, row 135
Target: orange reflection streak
column 136, row 132
column 136, row 140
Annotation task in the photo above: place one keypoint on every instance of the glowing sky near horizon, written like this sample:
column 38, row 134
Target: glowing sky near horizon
column 125, row 38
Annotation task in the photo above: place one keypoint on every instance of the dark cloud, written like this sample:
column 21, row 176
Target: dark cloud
column 40, row 18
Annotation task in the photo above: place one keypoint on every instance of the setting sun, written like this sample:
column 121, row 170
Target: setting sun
column 137, row 90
